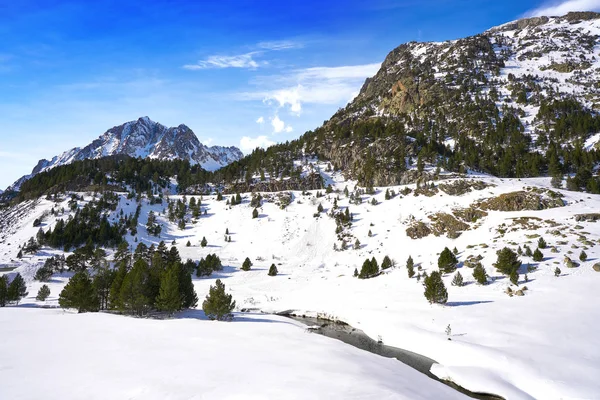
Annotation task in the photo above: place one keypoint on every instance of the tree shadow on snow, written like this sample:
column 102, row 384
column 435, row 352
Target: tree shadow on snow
column 466, row 303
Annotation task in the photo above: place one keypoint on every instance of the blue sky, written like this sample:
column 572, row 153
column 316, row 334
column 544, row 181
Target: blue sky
column 241, row 73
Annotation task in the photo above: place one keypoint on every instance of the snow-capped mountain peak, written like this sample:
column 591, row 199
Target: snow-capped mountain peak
column 146, row 139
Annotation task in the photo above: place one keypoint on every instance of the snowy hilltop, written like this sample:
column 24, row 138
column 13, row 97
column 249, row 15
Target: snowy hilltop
column 146, row 139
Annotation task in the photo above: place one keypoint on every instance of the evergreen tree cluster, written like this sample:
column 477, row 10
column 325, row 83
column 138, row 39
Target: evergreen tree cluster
column 12, row 291
column 508, row 264
column 157, row 280
column 89, row 225
column 447, row 261
column 206, row 266
column 370, row 269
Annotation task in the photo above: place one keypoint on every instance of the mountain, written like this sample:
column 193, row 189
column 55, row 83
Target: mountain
column 146, row 139
column 517, row 100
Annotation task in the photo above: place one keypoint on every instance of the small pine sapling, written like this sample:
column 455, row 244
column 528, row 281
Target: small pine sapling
column 410, row 267
column 273, row 270
column 43, row 293
column 458, row 280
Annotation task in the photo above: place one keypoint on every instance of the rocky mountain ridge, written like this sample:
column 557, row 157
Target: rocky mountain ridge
column 517, row 100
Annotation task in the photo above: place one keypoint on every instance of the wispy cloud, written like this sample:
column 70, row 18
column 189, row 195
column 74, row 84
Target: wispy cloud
column 260, row 120
column 276, row 45
column 220, row 61
column 556, row 8
column 316, row 85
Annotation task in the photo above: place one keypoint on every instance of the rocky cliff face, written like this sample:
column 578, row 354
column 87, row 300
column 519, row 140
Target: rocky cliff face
column 145, row 138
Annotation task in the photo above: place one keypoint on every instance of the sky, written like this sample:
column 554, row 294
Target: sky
column 242, row 73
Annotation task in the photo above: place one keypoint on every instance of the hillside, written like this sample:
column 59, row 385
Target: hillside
column 519, row 100
column 314, row 278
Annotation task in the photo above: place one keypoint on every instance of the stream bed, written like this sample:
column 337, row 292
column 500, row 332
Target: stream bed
column 357, row 338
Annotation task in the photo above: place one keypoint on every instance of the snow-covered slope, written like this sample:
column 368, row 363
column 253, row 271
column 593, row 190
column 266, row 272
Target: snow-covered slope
column 542, row 345
column 100, row 356
column 144, row 138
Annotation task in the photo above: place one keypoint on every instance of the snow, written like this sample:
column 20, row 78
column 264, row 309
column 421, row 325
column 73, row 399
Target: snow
column 53, row 354
column 542, row 345
column 592, row 142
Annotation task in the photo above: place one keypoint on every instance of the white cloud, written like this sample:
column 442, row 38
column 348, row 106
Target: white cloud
column 247, row 144
column 276, row 45
column 279, row 126
column 317, row 85
column 246, row 60
column 558, row 8
column 260, row 120
column 219, row 61
column 207, row 142
column 289, row 96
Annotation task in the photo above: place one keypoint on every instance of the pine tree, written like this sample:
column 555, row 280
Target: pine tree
column 457, row 280
column 369, row 269
column 3, row 290
column 122, row 255
column 507, row 261
column 447, row 261
column 541, row 243
column 273, row 270
column 101, row 284
column 357, row 244
column 355, row 273
column 410, row 267
column 537, row 255
column 583, row 256
column 557, row 272
column 455, row 251
column 320, row 208
column 528, row 251
column 17, row 289
column 187, row 293
column 386, row 263
column 114, row 295
column 435, row 290
column 218, row 305
column 134, row 290
column 204, row 242
column 255, row 213
column 188, row 244
column 370, row 233
column 219, row 196
column 247, row 264
column 479, row 274
column 43, row 293
column 20, row 254
column 44, row 273
column 169, row 298
column 79, row 293
column 227, row 231
column 514, row 277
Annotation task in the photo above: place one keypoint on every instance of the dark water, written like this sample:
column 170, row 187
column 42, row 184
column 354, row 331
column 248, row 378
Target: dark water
column 357, row 338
